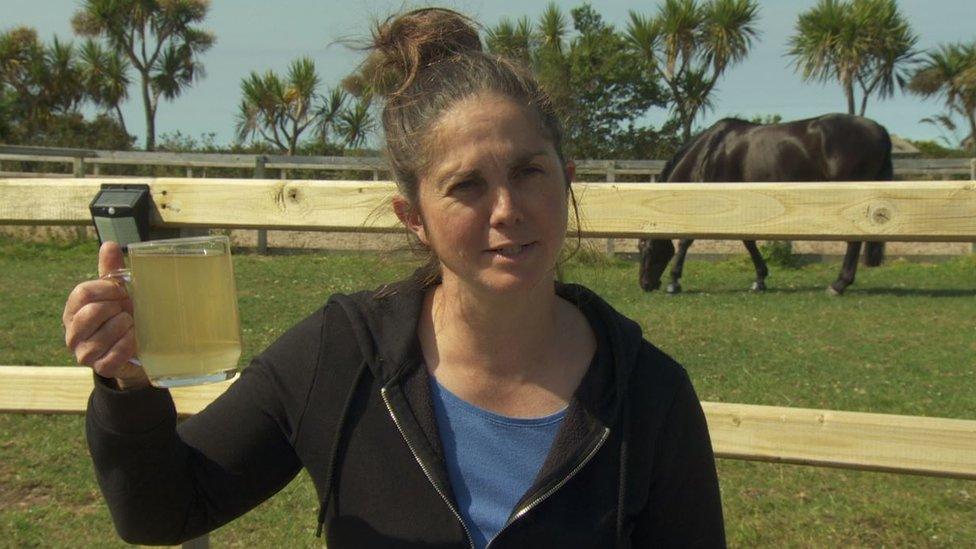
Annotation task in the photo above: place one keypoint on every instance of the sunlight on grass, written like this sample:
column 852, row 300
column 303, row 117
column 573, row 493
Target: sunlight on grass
column 902, row 340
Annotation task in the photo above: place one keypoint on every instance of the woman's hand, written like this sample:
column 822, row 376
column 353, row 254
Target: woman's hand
column 98, row 324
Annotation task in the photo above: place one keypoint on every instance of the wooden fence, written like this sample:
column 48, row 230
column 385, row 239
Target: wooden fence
column 942, row 211
column 83, row 161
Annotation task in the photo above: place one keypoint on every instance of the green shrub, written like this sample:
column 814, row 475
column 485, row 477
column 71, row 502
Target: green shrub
column 779, row 253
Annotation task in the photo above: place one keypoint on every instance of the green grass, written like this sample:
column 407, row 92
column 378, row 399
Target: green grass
column 902, row 341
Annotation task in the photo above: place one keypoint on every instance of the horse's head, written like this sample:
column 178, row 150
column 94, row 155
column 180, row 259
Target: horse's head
column 654, row 258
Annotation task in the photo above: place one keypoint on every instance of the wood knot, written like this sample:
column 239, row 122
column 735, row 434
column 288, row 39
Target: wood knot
column 293, row 195
column 881, row 216
column 736, row 421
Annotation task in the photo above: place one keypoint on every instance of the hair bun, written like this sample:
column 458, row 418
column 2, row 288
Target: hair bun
column 406, row 44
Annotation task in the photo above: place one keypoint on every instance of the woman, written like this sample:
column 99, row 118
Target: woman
column 478, row 403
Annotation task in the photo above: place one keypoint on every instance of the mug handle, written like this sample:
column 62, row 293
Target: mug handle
column 122, row 277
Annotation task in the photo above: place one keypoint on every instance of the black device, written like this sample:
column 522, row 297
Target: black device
column 121, row 213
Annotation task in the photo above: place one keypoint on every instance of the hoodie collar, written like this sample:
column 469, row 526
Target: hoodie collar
column 387, row 334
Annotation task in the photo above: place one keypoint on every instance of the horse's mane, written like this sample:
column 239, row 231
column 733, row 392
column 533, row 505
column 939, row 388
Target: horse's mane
column 675, row 158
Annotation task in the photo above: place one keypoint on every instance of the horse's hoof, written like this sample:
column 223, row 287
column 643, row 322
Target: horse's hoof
column 758, row 287
column 834, row 292
column 674, row 288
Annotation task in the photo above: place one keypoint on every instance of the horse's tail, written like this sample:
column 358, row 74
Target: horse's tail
column 874, row 251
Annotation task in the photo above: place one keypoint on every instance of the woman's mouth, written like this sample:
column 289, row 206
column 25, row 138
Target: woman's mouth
column 512, row 251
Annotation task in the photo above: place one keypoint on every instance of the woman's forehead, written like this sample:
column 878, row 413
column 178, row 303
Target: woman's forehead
column 487, row 128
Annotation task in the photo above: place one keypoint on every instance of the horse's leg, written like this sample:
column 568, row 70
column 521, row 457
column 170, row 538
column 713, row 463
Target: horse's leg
column 679, row 266
column 847, row 270
column 761, row 270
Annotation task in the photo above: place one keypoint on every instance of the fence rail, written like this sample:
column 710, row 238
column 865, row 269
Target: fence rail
column 81, row 158
column 852, row 440
column 938, row 211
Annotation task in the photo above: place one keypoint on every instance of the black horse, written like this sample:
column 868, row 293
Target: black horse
column 833, row 147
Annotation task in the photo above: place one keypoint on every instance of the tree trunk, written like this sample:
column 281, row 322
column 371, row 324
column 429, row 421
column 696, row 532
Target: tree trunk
column 150, row 115
column 849, row 91
column 118, row 114
column 150, row 131
column 687, row 119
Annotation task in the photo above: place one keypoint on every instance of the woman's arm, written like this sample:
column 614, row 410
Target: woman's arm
column 684, row 508
column 166, row 483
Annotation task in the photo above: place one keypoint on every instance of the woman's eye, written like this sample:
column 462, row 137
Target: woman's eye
column 463, row 186
column 529, row 170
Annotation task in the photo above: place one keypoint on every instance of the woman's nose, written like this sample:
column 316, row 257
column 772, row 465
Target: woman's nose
column 505, row 206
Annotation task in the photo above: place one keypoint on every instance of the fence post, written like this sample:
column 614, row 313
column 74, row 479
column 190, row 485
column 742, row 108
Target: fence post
column 78, row 165
column 189, row 171
column 376, row 175
column 611, row 178
column 259, row 163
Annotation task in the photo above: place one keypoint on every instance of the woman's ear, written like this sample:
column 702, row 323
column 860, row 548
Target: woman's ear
column 410, row 217
column 570, row 172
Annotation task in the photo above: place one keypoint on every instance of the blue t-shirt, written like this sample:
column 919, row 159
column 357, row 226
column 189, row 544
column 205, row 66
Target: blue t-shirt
column 491, row 459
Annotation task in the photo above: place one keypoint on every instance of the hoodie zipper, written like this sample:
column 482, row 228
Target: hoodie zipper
column 423, row 467
column 529, row 506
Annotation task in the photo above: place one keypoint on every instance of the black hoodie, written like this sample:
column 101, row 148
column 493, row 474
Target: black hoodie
column 344, row 395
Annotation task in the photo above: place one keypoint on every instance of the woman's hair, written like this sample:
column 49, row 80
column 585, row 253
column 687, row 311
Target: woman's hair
column 422, row 63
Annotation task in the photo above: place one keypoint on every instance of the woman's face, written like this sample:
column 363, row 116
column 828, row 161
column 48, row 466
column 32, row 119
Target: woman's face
column 492, row 204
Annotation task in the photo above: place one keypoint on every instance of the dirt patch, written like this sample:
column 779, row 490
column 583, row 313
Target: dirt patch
column 391, row 242
column 16, row 493
column 310, row 240
column 24, row 496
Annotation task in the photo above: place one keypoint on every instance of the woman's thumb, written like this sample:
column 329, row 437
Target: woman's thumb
column 110, row 258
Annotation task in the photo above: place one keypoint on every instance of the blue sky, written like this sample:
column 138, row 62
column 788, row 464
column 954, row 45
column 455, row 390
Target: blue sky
column 262, row 35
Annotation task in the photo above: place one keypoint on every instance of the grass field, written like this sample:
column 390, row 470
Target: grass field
column 902, row 341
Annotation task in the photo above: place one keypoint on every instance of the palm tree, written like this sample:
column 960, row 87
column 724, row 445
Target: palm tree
column 864, row 43
column 690, row 45
column 159, row 39
column 512, row 40
column 259, row 112
column 355, row 124
column 950, row 72
column 279, row 109
column 61, row 79
column 328, row 114
column 542, row 48
column 106, row 77
column 552, row 28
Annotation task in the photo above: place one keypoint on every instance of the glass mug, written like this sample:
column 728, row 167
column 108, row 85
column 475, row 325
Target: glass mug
column 185, row 306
